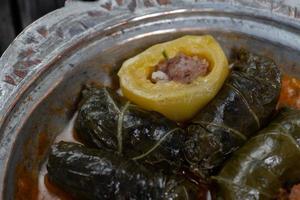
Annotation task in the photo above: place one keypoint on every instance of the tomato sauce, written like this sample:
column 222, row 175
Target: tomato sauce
column 290, row 92
column 35, row 185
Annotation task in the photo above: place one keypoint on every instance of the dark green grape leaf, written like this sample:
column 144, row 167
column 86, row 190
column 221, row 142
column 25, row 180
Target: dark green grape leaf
column 265, row 163
column 242, row 107
column 95, row 174
column 108, row 121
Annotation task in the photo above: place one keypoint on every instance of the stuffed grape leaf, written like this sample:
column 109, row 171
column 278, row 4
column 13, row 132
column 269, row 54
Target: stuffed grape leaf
column 108, row 121
column 94, row 174
column 242, row 107
column 265, row 163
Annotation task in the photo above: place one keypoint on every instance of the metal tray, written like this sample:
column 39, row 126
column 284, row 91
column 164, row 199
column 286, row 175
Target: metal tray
column 42, row 72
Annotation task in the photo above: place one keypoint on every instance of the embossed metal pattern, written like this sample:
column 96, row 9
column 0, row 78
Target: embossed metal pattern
column 52, row 38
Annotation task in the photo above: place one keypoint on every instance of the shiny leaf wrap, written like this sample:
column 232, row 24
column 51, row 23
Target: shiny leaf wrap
column 110, row 122
column 95, row 174
column 265, row 163
column 244, row 105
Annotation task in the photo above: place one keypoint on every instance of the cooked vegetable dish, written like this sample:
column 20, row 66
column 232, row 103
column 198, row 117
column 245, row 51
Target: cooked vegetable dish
column 186, row 125
column 179, row 94
column 112, row 123
column 266, row 162
column 96, row 174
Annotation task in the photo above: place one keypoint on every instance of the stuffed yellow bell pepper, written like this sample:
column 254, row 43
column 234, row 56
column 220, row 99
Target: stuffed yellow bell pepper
column 175, row 78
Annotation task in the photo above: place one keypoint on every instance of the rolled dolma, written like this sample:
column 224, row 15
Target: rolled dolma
column 265, row 163
column 244, row 105
column 95, row 174
column 108, row 121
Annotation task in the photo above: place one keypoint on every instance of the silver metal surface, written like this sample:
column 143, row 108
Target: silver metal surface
column 43, row 70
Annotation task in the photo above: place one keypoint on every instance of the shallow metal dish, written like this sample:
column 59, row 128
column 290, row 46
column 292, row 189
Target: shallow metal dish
column 43, row 70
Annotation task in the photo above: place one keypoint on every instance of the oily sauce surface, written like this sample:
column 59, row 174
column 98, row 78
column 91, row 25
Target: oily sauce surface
column 290, row 92
column 36, row 186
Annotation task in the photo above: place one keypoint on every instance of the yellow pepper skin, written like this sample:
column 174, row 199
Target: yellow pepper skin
column 177, row 101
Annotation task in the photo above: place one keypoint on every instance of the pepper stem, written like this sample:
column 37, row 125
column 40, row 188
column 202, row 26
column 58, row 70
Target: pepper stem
column 164, row 53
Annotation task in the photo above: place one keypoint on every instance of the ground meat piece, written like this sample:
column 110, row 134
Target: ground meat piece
column 181, row 68
column 295, row 193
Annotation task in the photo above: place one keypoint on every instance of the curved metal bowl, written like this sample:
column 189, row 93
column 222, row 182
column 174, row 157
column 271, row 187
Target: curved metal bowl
column 43, row 70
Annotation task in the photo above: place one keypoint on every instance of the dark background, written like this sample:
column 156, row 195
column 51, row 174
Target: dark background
column 15, row 15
